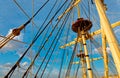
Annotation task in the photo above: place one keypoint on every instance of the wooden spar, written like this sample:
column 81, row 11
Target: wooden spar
column 78, row 9
column 114, row 47
column 105, row 56
column 76, row 3
column 92, row 34
column 14, row 40
column 84, row 74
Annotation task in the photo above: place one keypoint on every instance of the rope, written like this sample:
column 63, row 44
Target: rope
column 40, row 48
column 14, row 67
column 49, row 50
column 71, row 60
column 63, row 54
column 61, row 28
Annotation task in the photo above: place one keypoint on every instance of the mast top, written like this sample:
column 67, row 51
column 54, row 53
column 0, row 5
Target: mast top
column 82, row 24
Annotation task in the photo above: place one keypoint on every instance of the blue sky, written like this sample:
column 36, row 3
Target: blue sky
column 12, row 17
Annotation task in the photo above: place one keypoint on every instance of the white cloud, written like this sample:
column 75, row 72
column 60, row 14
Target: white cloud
column 53, row 73
column 108, row 49
column 4, row 69
column 97, row 50
column 6, row 66
column 18, row 47
column 117, row 33
column 18, row 72
column 30, row 54
column 24, row 63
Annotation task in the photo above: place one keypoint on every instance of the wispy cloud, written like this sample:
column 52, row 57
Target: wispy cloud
column 52, row 73
column 117, row 33
column 17, row 47
column 18, row 72
column 99, row 50
column 24, row 63
column 30, row 55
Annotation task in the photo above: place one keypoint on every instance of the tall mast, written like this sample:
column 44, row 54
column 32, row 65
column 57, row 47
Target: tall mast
column 81, row 55
column 81, row 26
column 114, row 47
column 87, row 56
column 105, row 56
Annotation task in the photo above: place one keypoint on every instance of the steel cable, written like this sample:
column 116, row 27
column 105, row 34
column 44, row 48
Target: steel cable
column 59, row 35
column 14, row 67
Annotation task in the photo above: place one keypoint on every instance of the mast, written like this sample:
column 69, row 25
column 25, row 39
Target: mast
column 105, row 56
column 112, row 41
column 86, row 55
column 81, row 26
column 81, row 55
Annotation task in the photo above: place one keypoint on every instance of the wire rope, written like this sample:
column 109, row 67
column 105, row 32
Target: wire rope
column 14, row 67
column 71, row 60
column 63, row 54
column 61, row 28
column 40, row 48
column 46, row 54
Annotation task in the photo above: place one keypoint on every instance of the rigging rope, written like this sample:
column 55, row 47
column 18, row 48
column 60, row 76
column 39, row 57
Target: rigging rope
column 63, row 54
column 35, row 38
column 21, row 8
column 59, row 35
column 40, row 48
column 51, row 68
column 80, row 60
column 89, row 9
column 14, row 67
column 71, row 60
column 27, row 14
column 111, row 64
column 49, row 50
column 38, row 34
column 83, row 7
column 76, row 74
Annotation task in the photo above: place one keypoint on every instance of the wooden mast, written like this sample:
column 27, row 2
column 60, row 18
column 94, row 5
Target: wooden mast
column 86, row 55
column 114, row 47
column 81, row 26
column 105, row 56
column 82, row 55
